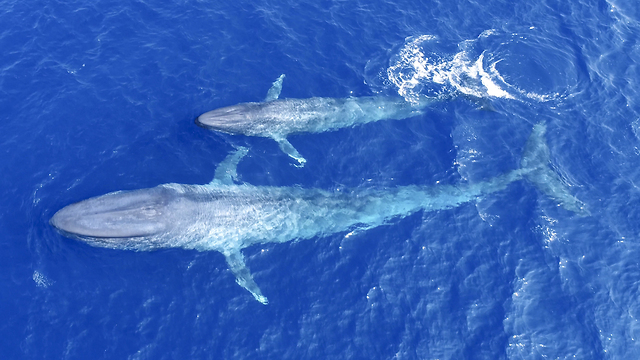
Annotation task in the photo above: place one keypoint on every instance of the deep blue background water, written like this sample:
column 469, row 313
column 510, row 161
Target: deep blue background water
column 101, row 97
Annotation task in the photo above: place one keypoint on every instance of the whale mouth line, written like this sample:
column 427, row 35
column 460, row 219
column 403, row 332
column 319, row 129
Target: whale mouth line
column 81, row 232
column 96, row 238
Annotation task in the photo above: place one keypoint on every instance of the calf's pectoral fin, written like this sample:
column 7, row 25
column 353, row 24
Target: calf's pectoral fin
column 288, row 149
column 235, row 259
column 226, row 170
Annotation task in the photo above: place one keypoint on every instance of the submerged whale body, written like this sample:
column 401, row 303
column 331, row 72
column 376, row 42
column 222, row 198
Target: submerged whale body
column 277, row 118
column 229, row 217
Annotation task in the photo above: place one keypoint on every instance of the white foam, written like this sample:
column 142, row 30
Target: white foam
column 415, row 71
column 41, row 280
column 492, row 88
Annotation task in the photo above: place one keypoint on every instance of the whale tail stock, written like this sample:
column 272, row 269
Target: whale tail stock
column 536, row 167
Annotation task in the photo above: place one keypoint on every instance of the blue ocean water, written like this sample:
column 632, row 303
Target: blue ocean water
column 102, row 97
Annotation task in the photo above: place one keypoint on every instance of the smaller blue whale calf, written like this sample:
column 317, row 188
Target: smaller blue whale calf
column 228, row 217
column 278, row 118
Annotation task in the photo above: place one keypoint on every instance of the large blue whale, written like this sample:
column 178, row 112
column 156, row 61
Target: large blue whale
column 228, row 217
column 278, row 118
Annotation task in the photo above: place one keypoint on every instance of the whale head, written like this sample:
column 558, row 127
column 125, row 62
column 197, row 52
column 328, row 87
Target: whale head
column 123, row 219
column 235, row 119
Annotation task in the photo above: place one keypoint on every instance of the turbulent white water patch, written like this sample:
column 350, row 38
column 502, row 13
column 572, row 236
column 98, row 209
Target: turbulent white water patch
column 41, row 280
column 416, row 66
column 494, row 65
column 413, row 66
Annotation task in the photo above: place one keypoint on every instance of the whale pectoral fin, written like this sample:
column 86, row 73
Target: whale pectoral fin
column 288, row 149
column 235, row 259
column 275, row 90
column 226, row 170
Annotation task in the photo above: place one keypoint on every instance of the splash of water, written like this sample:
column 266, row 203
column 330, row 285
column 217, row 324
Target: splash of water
column 424, row 67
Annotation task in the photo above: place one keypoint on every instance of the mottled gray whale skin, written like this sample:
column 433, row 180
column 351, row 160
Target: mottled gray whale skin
column 278, row 118
column 228, row 217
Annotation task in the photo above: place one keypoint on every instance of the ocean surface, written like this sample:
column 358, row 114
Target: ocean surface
column 101, row 96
